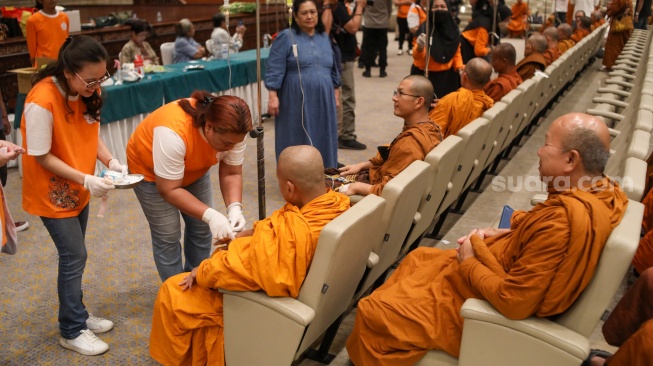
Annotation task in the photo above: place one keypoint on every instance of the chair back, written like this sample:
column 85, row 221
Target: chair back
column 167, row 52
column 209, row 45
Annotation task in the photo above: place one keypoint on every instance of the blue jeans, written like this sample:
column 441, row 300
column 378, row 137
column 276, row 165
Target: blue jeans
column 165, row 228
column 641, row 22
column 68, row 236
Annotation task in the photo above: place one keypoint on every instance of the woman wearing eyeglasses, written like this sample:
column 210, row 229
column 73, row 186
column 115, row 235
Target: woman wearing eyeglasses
column 60, row 128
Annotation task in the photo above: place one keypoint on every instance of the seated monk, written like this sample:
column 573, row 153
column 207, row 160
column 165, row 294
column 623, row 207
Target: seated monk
column 273, row 257
column 548, row 23
column 457, row 109
column 552, row 52
column 630, row 327
column 538, row 267
column 644, row 256
column 564, row 38
column 582, row 29
column 420, row 135
column 533, row 57
column 518, row 20
column 597, row 20
column 503, row 62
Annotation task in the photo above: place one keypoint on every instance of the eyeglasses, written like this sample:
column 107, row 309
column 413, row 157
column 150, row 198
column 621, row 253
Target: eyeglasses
column 401, row 93
column 93, row 84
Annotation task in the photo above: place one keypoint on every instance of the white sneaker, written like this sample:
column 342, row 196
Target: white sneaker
column 87, row 343
column 21, row 225
column 410, row 52
column 98, row 325
column 400, row 52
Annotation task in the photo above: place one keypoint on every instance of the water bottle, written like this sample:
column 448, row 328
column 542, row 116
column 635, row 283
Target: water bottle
column 266, row 41
column 159, row 17
column 224, row 51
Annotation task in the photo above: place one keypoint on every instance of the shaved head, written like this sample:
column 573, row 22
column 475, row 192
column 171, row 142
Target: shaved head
column 565, row 31
column 551, row 34
column 538, row 42
column 421, row 86
column 596, row 15
column 589, row 136
column 507, row 51
column 478, row 71
column 585, row 22
column 302, row 167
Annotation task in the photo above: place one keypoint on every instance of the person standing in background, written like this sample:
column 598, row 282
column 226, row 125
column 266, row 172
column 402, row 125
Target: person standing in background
column 343, row 27
column 642, row 12
column 375, row 36
column 220, row 36
column 560, row 9
column 404, row 35
column 46, row 30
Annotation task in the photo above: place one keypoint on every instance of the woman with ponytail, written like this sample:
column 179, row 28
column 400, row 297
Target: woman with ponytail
column 174, row 148
column 60, row 128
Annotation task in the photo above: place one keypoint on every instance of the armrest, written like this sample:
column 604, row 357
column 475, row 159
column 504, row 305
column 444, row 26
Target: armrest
column 490, row 325
column 606, row 114
column 416, row 218
column 613, row 132
column 355, row 199
column 634, row 179
column 618, row 103
column 621, row 93
column 372, row 260
column 621, row 74
column 625, row 84
column 286, row 306
column 624, row 68
column 538, row 198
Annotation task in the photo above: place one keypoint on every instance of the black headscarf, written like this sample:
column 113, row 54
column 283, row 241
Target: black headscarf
column 446, row 36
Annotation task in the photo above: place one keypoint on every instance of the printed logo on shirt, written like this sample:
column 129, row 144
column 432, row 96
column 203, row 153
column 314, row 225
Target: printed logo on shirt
column 61, row 195
column 64, row 26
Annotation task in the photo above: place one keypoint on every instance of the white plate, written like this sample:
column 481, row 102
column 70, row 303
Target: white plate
column 125, row 182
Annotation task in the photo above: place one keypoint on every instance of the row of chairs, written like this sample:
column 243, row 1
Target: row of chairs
column 356, row 250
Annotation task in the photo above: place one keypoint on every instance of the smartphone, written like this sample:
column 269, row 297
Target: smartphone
column 240, row 23
column 506, row 215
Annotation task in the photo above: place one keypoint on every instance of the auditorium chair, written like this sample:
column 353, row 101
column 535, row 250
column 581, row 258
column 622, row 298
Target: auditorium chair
column 167, row 53
column 491, row 339
column 263, row 330
column 499, row 120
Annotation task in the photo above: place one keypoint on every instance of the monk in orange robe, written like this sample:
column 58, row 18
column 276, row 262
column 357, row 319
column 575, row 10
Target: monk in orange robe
column 552, row 52
column 630, row 327
column 187, row 324
column 412, row 100
column 548, row 23
column 457, row 109
column 564, row 38
column 597, row 20
column 644, row 256
column 533, row 57
column 538, row 267
column 582, row 29
column 616, row 41
column 503, row 62
column 518, row 20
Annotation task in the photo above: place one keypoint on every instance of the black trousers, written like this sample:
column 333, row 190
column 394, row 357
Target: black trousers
column 375, row 42
column 404, row 33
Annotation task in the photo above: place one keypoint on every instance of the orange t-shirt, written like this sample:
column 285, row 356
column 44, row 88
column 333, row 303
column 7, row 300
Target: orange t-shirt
column 46, row 33
column 419, row 59
column 139, row 148
column 49, row 126
column 402, row 11
column 480, row 39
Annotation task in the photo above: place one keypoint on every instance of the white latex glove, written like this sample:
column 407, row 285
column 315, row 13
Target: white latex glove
column 343, row 188
column 114, row 165
column 219, row 225
column 236, row 218
column 421, row 40
column 97, row 186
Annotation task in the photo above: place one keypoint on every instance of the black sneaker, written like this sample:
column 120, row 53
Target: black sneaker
column 367, row 74
column 383, row 73
column 351, row 144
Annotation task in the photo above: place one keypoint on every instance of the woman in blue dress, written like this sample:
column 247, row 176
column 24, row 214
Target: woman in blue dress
column 302, row 78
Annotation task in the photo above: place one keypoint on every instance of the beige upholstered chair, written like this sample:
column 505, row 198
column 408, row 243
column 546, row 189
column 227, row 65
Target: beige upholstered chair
column 167, row 52
column 262, row 330
column 490, row 339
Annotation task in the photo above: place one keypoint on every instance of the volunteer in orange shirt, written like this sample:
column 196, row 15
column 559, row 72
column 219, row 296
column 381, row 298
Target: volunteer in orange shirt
column 174, row 148
column 46, row 31
column 60, row 128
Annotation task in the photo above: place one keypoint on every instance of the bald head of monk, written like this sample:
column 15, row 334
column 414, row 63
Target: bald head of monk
column 476, row 74
column 503, row 58
column 596, row 16
column 585, row 23
column 576, row 149
column 535, row 44
column 300, row 172
column 564, row 31
column 551, row 35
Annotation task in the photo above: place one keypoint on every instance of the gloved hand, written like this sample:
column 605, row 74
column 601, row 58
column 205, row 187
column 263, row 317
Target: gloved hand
column 343, row 188
column 97, row 186
column 219, row 225
column 114, row 165
column 236, row 218
column 421, row 40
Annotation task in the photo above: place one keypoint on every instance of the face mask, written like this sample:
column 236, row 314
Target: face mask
column 441, row 16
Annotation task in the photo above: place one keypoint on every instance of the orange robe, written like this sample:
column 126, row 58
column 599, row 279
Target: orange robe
column 551, row 54
column 565, row 44
column 502, row 85
column 517, row 25
column 616, row 40
column 187, row 325
column 413, row 143
column 644, row 256
column 539, row 268
column 579, row 34
column 457, row 109
column 527, row 66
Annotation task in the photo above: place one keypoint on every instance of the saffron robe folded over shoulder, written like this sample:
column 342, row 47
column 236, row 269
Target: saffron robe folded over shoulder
column 456, row 110
column 551, row 54
column 538, row 268
column 187, row 325
column 500, row 86
column 579, row 34
column 413, row 143
column 644, row 256
column 565, row 44
column 527, row 66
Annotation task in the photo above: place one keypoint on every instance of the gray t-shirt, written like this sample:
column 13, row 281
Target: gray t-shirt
column 378, row 15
